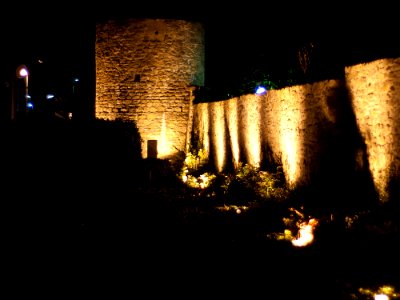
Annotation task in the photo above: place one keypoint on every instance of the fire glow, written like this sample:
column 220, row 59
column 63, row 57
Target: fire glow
column 305, row 235
column 384, row 292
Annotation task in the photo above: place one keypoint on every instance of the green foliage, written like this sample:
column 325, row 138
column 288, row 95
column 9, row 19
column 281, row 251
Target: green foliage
column 194, row 170
column 258, row 78
column 195, row 161
column 245, row 184
column 249, row 82
column 249, row 184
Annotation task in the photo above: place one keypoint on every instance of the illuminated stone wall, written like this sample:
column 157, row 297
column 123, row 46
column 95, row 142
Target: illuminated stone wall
column 375, row 98
column 330, row 130
column 145, row 71
column 305, row 128
column 285, row 126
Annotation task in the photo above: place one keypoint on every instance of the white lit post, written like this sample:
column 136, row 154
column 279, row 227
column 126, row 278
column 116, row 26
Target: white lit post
column 22, row 72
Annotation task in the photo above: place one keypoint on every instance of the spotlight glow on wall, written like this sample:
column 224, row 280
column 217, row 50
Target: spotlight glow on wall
column 163, row 147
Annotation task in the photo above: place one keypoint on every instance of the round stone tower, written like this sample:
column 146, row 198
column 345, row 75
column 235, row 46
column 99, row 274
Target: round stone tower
column 146, row 71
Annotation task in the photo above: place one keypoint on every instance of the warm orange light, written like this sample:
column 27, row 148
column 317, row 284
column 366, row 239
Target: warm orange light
column 231, row 109
column 377, row 117
column 163, row 148
column 219, row 133
column 305, row 235
column 252, row 136
column 289, row 153
column 381, row 297
column 204, row 126
column 289, row 120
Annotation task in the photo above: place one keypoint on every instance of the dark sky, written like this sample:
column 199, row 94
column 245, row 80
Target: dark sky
column 238, row 37
column 62, row 26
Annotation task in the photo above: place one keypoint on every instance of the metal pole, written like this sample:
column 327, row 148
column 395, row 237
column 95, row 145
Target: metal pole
column 26, row 93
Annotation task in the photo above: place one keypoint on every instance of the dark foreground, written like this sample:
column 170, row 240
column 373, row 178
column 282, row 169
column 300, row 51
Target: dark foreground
column 142, row 245
column 79, row 222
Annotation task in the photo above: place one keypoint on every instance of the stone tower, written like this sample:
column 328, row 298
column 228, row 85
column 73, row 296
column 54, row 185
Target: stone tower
column 146, row 71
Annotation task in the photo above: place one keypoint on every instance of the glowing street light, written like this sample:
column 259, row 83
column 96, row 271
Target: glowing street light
column 22, row 72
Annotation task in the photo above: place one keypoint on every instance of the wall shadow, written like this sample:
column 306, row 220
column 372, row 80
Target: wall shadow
column 341, row 182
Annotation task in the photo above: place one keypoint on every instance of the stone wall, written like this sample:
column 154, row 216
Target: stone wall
column 300, row 123
column 375, row 99
column 145, row 71
column 291, row 126
column 329, row 131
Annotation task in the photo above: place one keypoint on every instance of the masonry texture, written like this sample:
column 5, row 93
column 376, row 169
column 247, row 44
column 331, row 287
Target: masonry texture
column 145, row 72
column 375, row 97
column 328, row 130
column 293, row 126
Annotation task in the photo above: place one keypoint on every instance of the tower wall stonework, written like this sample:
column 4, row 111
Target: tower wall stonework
column 148, row 69
column 145, row 72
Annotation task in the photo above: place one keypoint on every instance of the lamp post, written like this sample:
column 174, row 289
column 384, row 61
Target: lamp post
column 22, row 72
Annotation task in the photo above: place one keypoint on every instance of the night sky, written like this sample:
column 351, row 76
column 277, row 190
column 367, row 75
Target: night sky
column 240, row 40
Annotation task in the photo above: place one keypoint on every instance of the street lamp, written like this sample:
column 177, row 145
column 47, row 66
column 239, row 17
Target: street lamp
column 22, row 72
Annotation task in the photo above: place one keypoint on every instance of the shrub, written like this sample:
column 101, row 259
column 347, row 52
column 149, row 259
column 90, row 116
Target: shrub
column 249, row 184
